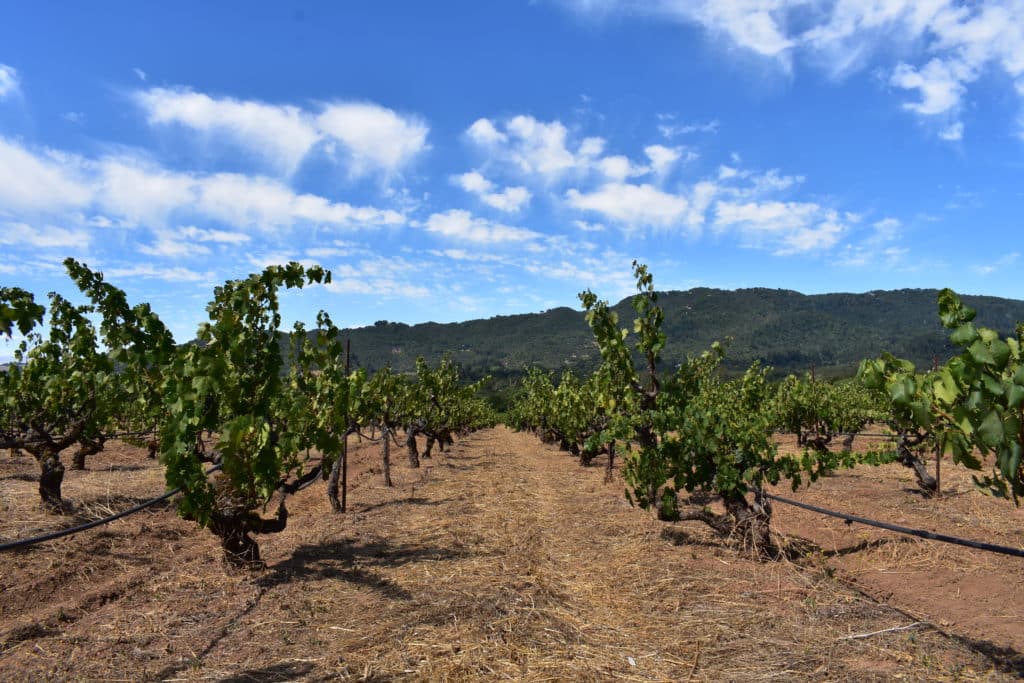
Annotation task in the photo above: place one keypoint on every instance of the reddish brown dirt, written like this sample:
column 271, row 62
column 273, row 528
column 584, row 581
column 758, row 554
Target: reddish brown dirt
column 502, row 559
column 975, row 594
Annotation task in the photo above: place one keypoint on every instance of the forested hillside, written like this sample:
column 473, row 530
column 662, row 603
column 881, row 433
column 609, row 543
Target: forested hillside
column 790, row 331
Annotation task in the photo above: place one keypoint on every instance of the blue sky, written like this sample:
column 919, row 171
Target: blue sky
column 458, row 160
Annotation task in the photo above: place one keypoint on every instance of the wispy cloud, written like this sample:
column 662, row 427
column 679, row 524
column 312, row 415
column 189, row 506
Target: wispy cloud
column 784, row 227
column 457, row 224
column 283, row 134
column 953, row 42
column 374, row 137
column 44, row 237
column 9, row 82
column 999, row 264
column 136, row 191
column 367, row 137
column 510, row 199
column 670, row 128
column 633, row 206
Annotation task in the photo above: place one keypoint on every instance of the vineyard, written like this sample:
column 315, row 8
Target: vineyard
column 380, row 526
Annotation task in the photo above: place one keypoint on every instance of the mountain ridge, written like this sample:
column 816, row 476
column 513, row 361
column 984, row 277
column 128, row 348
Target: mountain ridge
column 788, row 330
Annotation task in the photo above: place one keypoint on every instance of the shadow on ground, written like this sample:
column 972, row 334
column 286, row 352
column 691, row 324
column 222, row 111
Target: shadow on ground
column 353, row 561
column 286, row 671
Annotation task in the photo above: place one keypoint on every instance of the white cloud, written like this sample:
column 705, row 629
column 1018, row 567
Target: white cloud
column 141, row 192
column 540, row 147
column 168, row 245
column 100, row 221
column 265, row 203
column 953, row 132
column 546, row 152
column 188, row 241
column 44, row 237
column 755, row 24
column 758, row 184
column 139, row 73
column 633, row 206
column 591, row 147
column 784, row 227
column 943, row 45
column 325, row 252
column 475, row 257
column 265, row 259
column 700, row 200
column 218, row 236
column 773, row 181
column 939, row 87
column 473, row 182
column 765, row 216
column 375, row 137
column 38, row 182
column 510, row 200
column 130, row 192
column 669, row 129
column 534, row 148
column 663, row 158
column 886, row 229
column 9, row 82
column 283, row 134
column 461, row 225
column 608, row 273
column 148, row 270
column 619, row 167
column 1000, row 264
column 589, row 227
column 380, row 277
column 483, row 132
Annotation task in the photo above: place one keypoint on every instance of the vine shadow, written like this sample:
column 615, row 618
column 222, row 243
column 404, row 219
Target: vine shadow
column 354, row 562
column 276, row 673
column 681, row 537
column 1005, row 659
column 415, row 500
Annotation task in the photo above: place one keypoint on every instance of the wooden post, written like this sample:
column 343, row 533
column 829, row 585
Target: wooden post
column 344, row 440
column 938, row 471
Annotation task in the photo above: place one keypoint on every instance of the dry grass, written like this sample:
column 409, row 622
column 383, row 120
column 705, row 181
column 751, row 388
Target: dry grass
column 501, row 560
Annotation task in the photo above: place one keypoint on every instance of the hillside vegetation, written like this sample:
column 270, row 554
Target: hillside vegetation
column 790, row 331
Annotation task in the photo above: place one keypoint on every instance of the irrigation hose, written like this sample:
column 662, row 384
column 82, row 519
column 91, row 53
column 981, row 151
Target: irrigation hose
column 920, row 533
column 25, row 542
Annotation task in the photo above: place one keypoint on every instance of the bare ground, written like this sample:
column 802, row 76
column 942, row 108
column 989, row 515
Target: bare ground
column 503, row 559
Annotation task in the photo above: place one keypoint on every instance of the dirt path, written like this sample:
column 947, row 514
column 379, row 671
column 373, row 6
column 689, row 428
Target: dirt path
column 511, row 562
column 500, row 560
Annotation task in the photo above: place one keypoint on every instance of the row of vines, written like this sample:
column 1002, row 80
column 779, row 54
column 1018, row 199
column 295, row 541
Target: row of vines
column 274, row 410
column 686, row 429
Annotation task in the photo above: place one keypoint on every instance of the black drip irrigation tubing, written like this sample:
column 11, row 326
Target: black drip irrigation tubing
column 308, row 480
column 920, row 533
column 25, row 542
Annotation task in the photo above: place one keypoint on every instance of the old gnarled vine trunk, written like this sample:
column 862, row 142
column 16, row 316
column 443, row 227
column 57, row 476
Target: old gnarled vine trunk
column 928, row 484
column 410, row 445
column 51, row 477
column 232, row 521
column 87, row 447
column 744, row 524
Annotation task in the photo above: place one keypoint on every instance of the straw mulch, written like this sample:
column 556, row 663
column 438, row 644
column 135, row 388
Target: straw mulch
column 500, row 560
